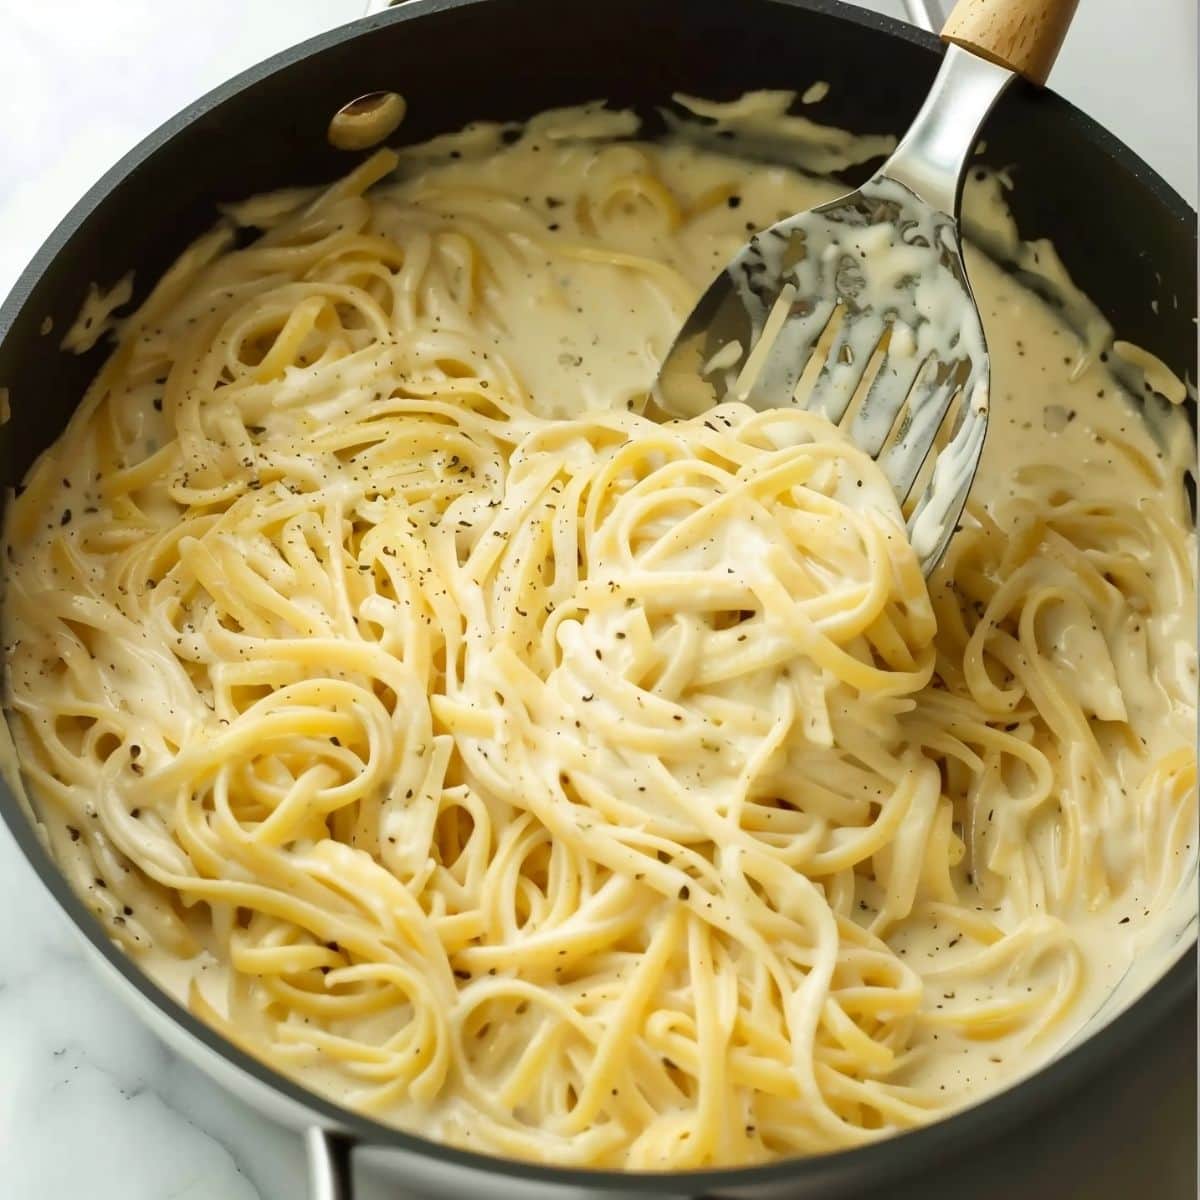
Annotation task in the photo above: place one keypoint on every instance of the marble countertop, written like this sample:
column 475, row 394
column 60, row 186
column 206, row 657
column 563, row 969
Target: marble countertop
column 91, row 1104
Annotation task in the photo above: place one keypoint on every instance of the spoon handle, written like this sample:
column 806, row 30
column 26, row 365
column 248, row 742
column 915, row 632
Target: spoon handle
column 1023, row 35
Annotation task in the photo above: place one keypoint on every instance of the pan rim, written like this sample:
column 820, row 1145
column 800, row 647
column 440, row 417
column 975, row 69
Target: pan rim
column 892, row 1157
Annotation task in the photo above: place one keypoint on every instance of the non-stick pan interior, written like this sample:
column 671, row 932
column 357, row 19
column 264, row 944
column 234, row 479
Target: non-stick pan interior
column 1127, row 239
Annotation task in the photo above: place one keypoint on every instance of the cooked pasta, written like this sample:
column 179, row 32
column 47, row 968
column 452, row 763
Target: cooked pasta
column 549, row 780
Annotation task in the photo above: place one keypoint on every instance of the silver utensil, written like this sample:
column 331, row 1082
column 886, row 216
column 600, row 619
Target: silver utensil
column 860, row 309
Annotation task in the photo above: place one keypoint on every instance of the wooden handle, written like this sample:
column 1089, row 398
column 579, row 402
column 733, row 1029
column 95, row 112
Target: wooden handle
column 1023, row 35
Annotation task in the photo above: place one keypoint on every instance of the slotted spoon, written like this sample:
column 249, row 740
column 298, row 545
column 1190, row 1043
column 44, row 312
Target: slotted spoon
column 860, row 309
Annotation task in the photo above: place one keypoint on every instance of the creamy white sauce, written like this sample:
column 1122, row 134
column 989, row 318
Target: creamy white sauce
column 582, row 336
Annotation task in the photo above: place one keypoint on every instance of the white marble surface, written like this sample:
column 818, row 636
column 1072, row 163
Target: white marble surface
column 91, row 1105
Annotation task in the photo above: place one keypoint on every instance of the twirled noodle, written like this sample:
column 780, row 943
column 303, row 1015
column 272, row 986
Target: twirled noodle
column 542, row 777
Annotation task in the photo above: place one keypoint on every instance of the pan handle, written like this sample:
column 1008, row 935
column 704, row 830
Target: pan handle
column 329, row 1172
column 925, row 13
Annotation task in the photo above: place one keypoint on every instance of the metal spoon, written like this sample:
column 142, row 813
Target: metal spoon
column 860, row 309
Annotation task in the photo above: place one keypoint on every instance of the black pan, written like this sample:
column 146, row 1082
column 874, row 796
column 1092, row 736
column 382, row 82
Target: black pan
column 1126, row 237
